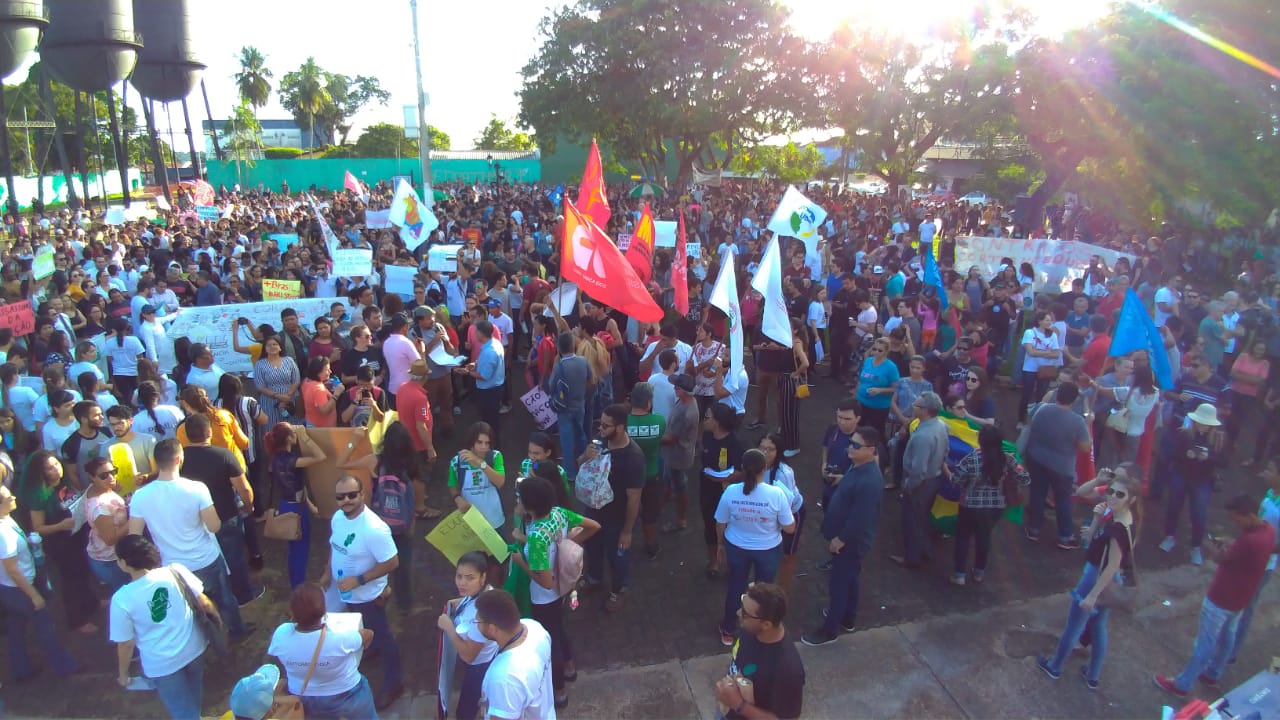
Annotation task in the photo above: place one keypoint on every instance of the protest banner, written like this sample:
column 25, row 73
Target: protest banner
column 399, row 279
column 377, row 219
column 443, row 258
column 564, row 297
column 281, row 289
column 459, row 533
column 115, row 216
column 18, row 317
column 664, row 233
column 538, row 403
column 472, row 234
column 693, row 249
column 211, row 325
column 1056, row 262
column 208, row 212
column 352, row 263
column 42, row 267
column 284, row 241
column 623, row 241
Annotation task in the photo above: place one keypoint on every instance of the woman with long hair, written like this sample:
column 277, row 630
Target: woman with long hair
column 87, row 382
column 394, row 458
column 168, row 388
column 108, row 517
column 62, row 422
column 42, row 490
column 779, row 474
column 876, row 383
column 990, row 479
column 1136, row 401
column 155, row 417
column 981, row 407
column 291, row 451
column 324, row 343
column 226, row 432
column 319, row 396
column 126, row 353
column 477, row 474
column 794, row 372
column 1108, row 559
column 599, row 393
column 59, row 352
column 816, row 319
column 17, row 397
column 277, row 378
column 458, row 623
column 721, row 452
column 250, row 417
column 751, row 518
column 1043, row 352
column 18, row 443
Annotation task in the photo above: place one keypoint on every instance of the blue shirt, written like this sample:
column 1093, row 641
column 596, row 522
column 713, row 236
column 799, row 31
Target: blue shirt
column 208, row 295
column 876, row 376
column 490, row 366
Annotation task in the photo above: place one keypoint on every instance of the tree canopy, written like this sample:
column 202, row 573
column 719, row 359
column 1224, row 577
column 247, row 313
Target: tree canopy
column 325, row 102
column 497, row 136
column 789, row 163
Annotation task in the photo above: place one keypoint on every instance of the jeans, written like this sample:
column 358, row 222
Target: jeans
column 375, row 619
column 1077, row 621
column 1246, row 618
column 551, row 617
column 217, row 585
column 109, row 573
column 1033, row 389
column 843, row 585
column 181, row 691
column 354, row 703
column 1214, row 643
column 741, row 561
column 1163, row 464
column 916, row 504
column 976, row 523
column 1044, row 480
column 1196, row 493
column 468, row 707
column 19, row 612
column 604, row 544
column 300, row 549
column 402, row 576
column 231, row 540
column 573, row 440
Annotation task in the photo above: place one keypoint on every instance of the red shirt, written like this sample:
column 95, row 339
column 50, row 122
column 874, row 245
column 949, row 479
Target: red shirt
column 413, row 407
column 1095, row 355
column 1108, row 305
column 1241, row 568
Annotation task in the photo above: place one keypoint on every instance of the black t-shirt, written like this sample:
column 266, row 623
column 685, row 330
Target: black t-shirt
column 353, row 396
column 184, row 291
column 213, row 466
column 353, row 360
column 1100, row 548
column 997, row 317
column 720, row 454
column 840, row 315
column 626, row 472
column 776, row 673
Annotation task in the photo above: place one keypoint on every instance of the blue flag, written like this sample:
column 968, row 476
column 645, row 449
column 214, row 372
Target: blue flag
column 1136, row 330
column 932, row 276
column 556, row 196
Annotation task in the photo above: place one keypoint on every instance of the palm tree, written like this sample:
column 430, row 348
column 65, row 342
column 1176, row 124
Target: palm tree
column 312, row 89
column 254, row 78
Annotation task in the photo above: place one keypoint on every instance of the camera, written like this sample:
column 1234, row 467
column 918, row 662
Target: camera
column 242, row 321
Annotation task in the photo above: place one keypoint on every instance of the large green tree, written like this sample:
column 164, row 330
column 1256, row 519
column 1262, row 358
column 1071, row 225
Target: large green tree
column 790, row 163
column 497, row 136
column 326, row 102
column 253, row 81
column 305, row 93
column 648, row 77
column 384, row 140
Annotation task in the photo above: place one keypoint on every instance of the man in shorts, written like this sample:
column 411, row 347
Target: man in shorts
column 646, row 428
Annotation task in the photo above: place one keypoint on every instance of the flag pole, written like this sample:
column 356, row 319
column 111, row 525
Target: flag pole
column 424, row 137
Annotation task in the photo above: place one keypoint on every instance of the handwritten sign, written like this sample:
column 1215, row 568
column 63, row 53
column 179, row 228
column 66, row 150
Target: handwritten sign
column 460, row 533
column 42, row 267
column 208, row 212
column 211, row 325
column 693, row 249
column 623, row 241
column 1057, row 262
column 352, row 263
column 284, row 241
column 538, row 403
column 281, row 289
column 115, row 216
column 18, row 317
column 443, row 258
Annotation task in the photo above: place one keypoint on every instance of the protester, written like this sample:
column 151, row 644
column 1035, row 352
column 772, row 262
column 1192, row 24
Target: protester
column 617, row 519
column 646, row 428
column 766, row 656
column 322, row 662
column 721, row 451
column 923, row 465
column 291, row 451
column 991, row 480
column 677, row 451
column 1056, row 434
column 41, row 489
column 518, row 683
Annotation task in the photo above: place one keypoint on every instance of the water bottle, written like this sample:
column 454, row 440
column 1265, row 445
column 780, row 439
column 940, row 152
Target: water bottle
column 36, row 544
column 344, row 594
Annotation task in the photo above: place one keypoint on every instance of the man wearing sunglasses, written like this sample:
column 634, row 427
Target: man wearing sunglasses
column 518, row 683
column 361, row 555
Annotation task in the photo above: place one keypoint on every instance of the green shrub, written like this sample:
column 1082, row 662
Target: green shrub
column 337, row 151
column 283, row 153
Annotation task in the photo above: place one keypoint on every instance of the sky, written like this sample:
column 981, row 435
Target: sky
column 472, row 52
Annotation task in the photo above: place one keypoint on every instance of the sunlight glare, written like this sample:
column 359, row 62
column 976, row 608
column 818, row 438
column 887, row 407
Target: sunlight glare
column 816, row 19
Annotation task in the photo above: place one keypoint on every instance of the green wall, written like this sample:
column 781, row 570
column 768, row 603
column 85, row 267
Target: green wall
column 302, row 174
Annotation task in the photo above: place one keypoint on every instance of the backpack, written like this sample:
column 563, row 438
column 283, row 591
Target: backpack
column 568, row 566
column 393, row 502
column 592, row 485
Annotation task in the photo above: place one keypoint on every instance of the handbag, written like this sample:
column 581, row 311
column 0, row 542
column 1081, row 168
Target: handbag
column 287, row 706
column 282, row 526
column 1119, row 420
column 802, row 389
column 1047, row 372
column 1122, row 597
column 208, row 622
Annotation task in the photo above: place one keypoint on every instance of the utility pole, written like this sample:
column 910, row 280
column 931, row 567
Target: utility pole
column 424, row 138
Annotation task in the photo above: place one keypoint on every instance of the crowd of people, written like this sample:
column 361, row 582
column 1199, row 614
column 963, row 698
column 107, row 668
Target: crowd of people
column 140, row 471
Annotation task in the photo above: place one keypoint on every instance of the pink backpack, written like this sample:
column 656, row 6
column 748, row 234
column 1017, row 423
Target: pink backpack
column 568, row 566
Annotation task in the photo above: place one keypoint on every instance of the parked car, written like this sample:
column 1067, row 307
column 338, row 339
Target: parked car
column 975, row 198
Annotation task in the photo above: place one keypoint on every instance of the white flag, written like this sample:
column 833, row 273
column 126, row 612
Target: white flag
column 798, row 217
column 416, row 221
column 768, row 282
column 725, row 297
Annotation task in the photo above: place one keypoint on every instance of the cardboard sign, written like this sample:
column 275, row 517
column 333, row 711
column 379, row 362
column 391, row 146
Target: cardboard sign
column 18, row 317
column 460, row 533
column 377, row 219
column 664, row 233
column 443, row 258
column 281, row 289
column 284, row 241
column 693, row 249
column 472, row 234
column 42, row 267
column 208, row 212
column 538, row 403
column 352, row 263
column 564, row 297
column 211, row 325
column 623, row 241
column 399, row 279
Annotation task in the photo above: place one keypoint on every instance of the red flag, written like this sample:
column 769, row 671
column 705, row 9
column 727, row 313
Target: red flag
column 350, row 182
column 592, row 200
column 589, row 258
column 679, row 270
column 640, row 252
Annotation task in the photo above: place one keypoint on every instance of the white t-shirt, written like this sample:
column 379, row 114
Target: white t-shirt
column 22, row 401
column 207, row 379
column 754, row 521
column 13, row 543
column 1040, row 342
column 337, row 669
column 153, row 612
column 1139, row 405
column 664, row 395
column 866, row 317
column 356, row 545
column 786, row 479
column 517, row 685
column 43, row 412
column 683, row 351
column 737, row 397
column 170, row 417
column 464, row 621
column 124, row 356
column 53, row 435
column 1168, row 296
column 171, row 510
column 817, row 317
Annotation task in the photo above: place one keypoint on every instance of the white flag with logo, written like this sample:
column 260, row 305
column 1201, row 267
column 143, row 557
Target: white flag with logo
column 775, row 323
column 725, row 297
column 799, row 217
column 416, row 221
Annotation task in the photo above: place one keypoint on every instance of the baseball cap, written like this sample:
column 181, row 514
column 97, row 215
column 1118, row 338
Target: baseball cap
column 493, row 302
column 253, row 695
column 421, row 311
column 682, row 382
column 147, row 309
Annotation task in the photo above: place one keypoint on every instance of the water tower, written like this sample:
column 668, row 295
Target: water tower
column 90, row 44
column 168, row 68
column 21, row 23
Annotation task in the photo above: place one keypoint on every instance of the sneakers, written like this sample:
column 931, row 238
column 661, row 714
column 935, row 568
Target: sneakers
column 817, row 638
column 826, row 566
column 504, row 409
column 1197, row 558
column 1042, row 662
column 1069, row 544
column 1208, row 681
column 1168, row 686
column 847, row 628
column 613, row 603
column 1084, row 673
column 726, row 639
column 1032, row 535
column 1167, row 543
column 957, row 579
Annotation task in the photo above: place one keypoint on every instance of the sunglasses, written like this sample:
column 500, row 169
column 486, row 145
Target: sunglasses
column 1117, row 494
column 971, row 379
column 742, row 609
column 347, row 496
column 108, row 474
column 856, row 445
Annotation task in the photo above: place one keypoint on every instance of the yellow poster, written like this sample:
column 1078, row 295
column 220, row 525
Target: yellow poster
column 461, row 533
column 281, row 289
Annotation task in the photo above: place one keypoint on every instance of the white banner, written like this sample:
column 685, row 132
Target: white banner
column 352, row 263
column 212, row 326
column 564, row 297
column 1056, row 262
column 376, row 219
column 399, row 279
column 664, row 233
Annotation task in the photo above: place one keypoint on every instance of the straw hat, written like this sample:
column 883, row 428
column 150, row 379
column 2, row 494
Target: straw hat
column 1206, row 414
